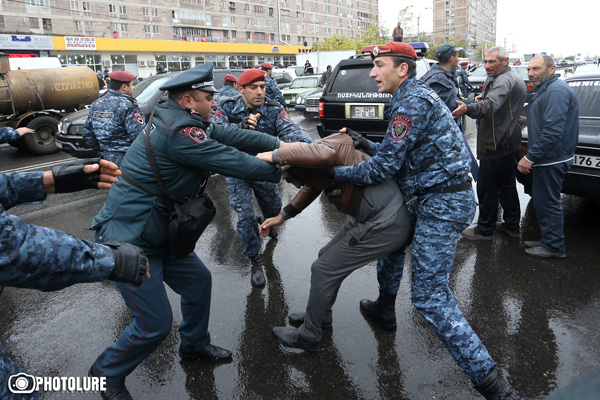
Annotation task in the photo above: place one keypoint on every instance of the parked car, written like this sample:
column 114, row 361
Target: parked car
column 584, row 177
column 302, row 84
column 219, row 75
column 308, row 103
column 351, row 99
column 284, row 76
column 477, row 78
column 70, row 129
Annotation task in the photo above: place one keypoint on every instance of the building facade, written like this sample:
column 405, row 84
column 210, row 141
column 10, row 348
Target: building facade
column 472, row 20
column 276, row 22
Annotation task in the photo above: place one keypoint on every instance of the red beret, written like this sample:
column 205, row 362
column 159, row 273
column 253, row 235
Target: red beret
column 266, row 65
column 251, row 76
column 230, row 78
column 122, row 76
column 394, row 49
column 464, row 63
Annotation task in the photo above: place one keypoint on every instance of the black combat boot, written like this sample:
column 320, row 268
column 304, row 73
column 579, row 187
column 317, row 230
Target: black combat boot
column 495, row 387
column 258, row 277
column 382, row 310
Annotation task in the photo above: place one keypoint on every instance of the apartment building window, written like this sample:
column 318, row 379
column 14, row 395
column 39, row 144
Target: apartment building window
column 150, row 12
column 285, row 13
column 234, row 34
column 47, row 24
column 34, row 23
column 232, row 20
column 123, row 10
column 272, row 37
column 77, row 26
column 30, row 2
column 124, row 28
column 86, row 6
column 259, row 9
column 246, row 7
column 248, row 35
column 224, row 20
column 225, row 34
column 270, row 11
column 74, row 5
column 41, row 3
column 232, row 5
column 112, row 8
column 87, row 25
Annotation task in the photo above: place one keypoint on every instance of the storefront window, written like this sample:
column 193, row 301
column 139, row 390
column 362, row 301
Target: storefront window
column 173, row 63
column 124, row 63
column 73, row 60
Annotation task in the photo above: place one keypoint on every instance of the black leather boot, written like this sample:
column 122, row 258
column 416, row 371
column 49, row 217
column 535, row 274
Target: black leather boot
column 495, row 387
column 257, row 276
column 382, row 310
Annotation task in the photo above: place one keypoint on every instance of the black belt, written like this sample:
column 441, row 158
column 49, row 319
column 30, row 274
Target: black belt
column 459, row 187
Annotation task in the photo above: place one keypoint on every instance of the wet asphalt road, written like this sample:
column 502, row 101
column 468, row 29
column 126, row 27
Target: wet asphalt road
column 538, row 318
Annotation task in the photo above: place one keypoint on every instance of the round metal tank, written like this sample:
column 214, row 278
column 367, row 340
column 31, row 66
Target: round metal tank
column 49, row 88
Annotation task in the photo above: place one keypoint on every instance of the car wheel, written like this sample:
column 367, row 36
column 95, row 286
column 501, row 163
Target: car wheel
column 42, row 141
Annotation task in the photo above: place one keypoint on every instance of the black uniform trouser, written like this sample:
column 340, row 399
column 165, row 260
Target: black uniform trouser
column 497, row 184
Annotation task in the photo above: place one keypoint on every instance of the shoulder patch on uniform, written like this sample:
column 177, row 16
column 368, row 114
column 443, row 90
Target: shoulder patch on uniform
column 433, row 95
column 101, row 114
column 139, row 118
column 196, row 134
column 285, row 116
column 218, row 115
column 399, row 127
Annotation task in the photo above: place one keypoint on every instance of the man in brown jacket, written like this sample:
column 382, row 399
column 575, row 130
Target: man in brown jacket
column 398, row 33
column 380, row 226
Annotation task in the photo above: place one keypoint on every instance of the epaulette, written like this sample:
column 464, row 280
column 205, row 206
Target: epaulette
column 270, row 102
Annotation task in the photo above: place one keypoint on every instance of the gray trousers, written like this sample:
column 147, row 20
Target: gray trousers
column 381, row 226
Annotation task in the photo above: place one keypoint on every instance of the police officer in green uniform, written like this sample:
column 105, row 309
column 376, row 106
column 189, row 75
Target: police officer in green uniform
column 186, row 146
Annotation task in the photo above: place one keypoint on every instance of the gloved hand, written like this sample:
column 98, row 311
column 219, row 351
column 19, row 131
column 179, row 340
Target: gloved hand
column 360, row 142
column 70, row 177
column 130, row 263
column 244, row 123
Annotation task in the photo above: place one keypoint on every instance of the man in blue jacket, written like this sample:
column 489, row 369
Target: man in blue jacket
column 36, row 257
column 553, row 132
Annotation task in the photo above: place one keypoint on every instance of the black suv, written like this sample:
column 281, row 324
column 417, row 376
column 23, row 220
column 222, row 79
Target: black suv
column 584, row 177
column 350, row 99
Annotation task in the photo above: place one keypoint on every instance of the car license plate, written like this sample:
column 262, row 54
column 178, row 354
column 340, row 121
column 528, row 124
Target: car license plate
column 364, row 112
column 312, row 109
column 586, row 161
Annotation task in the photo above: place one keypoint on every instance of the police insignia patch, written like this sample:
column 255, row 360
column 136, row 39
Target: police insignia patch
column 399, row 127
column 139, row 118
column 217, row 116
column 285, row 116
column 195, row 133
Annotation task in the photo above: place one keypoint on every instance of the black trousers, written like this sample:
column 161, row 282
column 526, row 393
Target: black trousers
column 497, row 183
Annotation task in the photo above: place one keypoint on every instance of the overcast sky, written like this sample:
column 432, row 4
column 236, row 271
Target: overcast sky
column 561, row 28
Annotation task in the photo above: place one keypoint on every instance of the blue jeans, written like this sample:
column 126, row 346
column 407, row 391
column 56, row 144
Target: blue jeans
column 546, row 186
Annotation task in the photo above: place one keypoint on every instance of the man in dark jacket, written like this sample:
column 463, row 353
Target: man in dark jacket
column 498, row 139
column 186, row 147
column 381, row 225
column 553, row 131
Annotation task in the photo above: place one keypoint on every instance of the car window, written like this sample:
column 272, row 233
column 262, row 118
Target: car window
column 588, row 94
column 353, row 80
column 305, row 83
column 522, row 72
column 480, row 71
column 146, row 93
